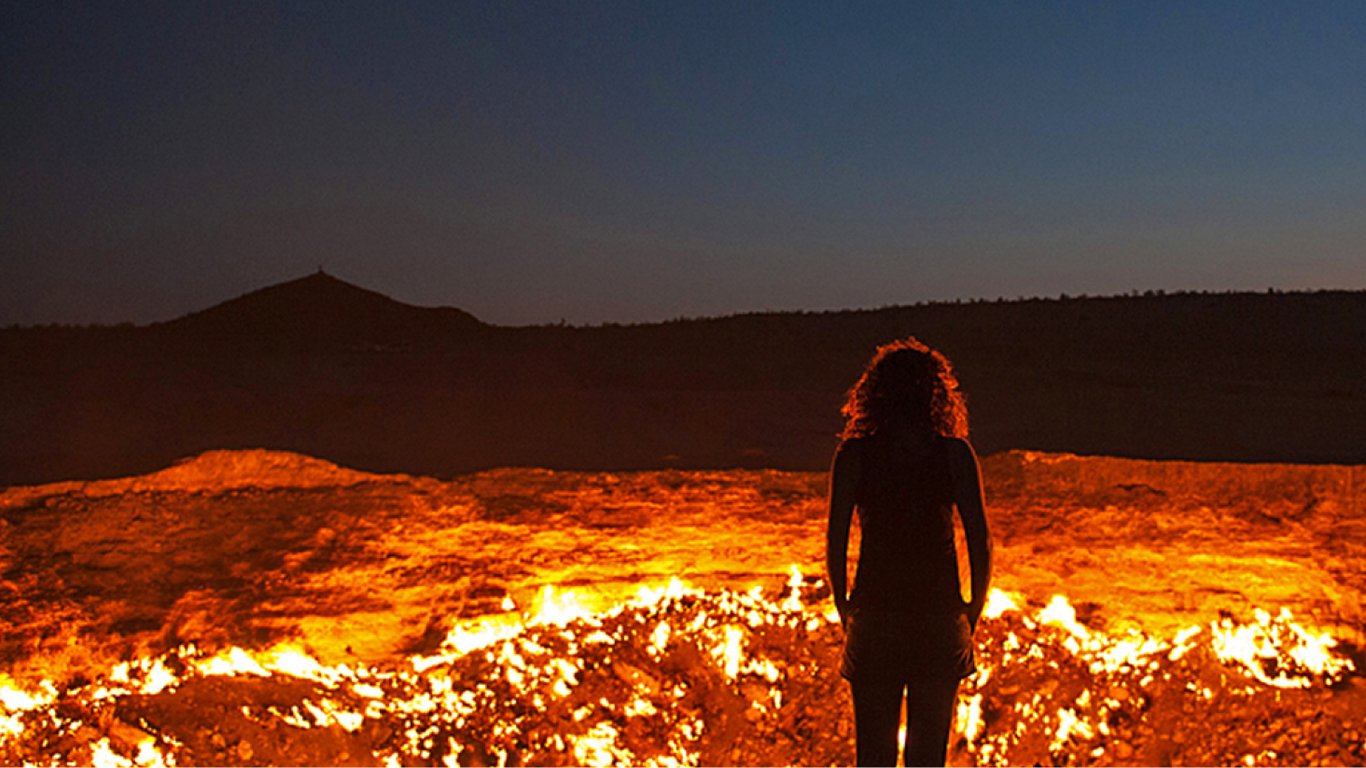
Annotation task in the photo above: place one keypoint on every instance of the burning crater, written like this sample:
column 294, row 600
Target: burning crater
column 267, row 608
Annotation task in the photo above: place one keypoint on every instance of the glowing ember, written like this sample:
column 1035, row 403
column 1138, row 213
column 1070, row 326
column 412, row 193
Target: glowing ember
column 678, row 676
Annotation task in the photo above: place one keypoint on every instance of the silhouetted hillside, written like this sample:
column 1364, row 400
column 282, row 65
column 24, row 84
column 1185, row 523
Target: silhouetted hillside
column 328, row 369
column 317, row 313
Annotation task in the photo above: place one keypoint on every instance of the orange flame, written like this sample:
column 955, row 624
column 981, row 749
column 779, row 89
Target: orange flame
column 1273, row 651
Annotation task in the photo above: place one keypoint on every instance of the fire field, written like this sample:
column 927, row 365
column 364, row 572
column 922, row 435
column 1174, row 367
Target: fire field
column 268, row 608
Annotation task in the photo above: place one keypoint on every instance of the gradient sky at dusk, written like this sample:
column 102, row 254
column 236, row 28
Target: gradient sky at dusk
column 602, row 161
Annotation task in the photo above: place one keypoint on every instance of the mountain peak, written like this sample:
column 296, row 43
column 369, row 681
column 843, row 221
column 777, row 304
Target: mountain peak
column 321, row 311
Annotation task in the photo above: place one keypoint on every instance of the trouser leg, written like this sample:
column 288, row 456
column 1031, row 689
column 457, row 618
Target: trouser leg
column 929, row 716
column 877, row 713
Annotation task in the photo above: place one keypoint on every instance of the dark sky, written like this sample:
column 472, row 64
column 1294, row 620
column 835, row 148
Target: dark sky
column 599, row 161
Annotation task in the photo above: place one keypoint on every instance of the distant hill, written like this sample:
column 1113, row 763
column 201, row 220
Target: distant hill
column 326, row 368
column 318, row 312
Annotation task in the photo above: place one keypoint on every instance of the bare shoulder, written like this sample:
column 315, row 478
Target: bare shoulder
column 962, row 458
column 849, row 454
column 851, row 446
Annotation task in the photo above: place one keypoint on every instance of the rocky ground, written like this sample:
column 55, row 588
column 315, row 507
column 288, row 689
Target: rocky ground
column 710, row 678
column 368, row 575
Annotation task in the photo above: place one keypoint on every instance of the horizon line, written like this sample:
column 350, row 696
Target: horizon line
column 1062, row 296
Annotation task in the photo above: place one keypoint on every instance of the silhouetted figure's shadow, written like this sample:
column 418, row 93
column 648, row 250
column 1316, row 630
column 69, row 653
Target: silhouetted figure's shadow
column 905, row 465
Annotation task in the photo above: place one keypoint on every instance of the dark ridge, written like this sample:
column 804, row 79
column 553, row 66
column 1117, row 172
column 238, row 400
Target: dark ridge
column 318, row 312
column 325, row 368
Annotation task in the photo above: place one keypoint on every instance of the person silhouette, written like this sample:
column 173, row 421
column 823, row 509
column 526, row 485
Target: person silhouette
column 904, row 463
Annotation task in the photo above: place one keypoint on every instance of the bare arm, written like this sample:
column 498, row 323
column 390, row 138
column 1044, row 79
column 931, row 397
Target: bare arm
column 843, row 476
column 967, row 494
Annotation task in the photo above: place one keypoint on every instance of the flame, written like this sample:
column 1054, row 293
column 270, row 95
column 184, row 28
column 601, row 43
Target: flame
column 1279, row 645
column 433, row 702
column 327, row 712
column 1069, row 725
column 1275, row 652
column 659, row 639
column 969, row 717
column 232, row 661
column 15, row 699
column 793, row 602
column 102, row 756
column 599, row 747
column 558, row 611
column 295, row 662
column 1060, row 613
column 647, row 596
column 730, row 651
column 18, row 702
column 999, row 602
column 1181, row 645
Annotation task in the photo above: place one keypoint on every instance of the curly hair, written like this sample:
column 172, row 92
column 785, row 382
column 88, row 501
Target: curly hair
column 906, row 386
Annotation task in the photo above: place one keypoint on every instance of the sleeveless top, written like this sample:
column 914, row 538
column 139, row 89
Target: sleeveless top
column 908, row 617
